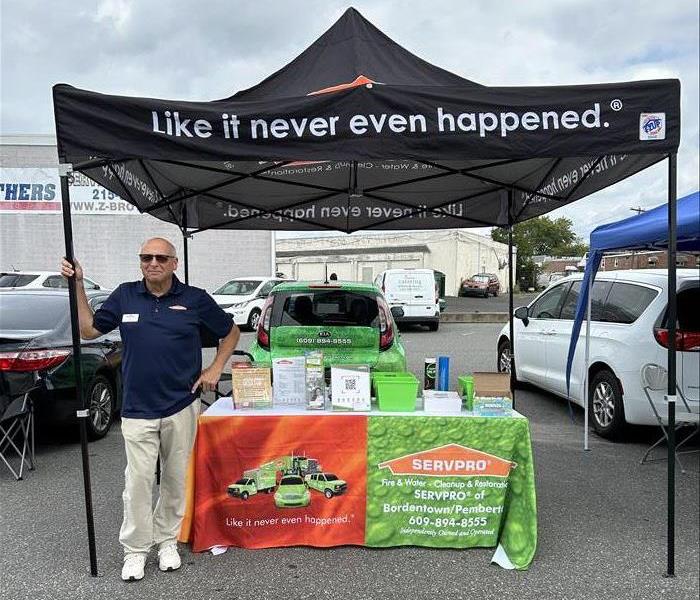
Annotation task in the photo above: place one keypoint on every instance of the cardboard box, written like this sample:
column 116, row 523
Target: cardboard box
column 492, row 385
column 492, row 397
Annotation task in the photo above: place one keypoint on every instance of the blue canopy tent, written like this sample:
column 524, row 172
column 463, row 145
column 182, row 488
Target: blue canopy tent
column 672, row 226
column 647, row 231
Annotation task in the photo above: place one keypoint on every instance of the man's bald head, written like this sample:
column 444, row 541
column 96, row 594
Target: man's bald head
column 158, row 245
column 152, row 253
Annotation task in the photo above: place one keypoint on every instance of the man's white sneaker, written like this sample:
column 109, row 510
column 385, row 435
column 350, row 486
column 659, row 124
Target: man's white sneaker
column 132, row 570
column 169, row 558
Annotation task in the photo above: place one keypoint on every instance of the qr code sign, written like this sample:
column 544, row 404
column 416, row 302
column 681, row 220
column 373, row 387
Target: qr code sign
column 350, row 385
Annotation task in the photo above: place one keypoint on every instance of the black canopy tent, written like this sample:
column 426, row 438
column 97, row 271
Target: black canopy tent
column 357, row 133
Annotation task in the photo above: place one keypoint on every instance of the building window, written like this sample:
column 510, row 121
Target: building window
column 615, row 263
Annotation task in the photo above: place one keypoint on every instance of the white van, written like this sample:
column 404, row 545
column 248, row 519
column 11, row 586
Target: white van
column 412, row 296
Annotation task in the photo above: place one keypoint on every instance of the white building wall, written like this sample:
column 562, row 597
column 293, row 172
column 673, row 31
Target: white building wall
column 107, row 245
column 457, row 253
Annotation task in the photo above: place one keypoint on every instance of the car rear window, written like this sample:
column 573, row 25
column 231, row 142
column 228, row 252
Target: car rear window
column 410, row 282
column 688, row 301
column 15, row 279
column 30, row 312
column 626, row 302
column 327, row 307
column 688, row 315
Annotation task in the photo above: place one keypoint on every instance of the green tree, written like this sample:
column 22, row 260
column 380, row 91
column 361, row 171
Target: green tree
column 541, row 236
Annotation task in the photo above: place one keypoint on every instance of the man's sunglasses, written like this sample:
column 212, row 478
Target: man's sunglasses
column 161, row 258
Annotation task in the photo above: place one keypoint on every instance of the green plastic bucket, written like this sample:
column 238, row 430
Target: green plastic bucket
column 396, row 392
column 388, row 376
column 465, row 386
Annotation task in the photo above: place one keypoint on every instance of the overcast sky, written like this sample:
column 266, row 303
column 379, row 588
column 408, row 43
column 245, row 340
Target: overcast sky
column 208, row 49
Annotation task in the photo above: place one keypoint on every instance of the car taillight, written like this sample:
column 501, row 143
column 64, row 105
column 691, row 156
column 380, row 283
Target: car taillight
column 32, row 360
column 437, row 295
column 264, row 324
column 386, row 326
column 686, row 341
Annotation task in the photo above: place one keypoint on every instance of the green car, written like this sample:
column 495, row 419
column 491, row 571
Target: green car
column 326, row 483
column 292, row 491
column 349, row 322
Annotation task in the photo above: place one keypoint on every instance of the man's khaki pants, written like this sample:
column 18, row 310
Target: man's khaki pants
column 144, row 439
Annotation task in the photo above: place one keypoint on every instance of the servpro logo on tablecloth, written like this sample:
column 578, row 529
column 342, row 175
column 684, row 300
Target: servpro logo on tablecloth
column 451, row 460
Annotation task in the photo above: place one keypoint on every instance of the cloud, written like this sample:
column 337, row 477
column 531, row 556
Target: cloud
column 194, row 50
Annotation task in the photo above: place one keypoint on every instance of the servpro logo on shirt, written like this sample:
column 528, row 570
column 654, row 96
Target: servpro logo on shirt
column 451, row 460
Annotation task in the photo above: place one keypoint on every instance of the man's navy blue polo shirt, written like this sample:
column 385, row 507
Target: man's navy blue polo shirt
column 162, row 354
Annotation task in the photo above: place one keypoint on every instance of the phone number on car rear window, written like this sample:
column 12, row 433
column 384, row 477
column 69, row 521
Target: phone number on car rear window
column 326, row 341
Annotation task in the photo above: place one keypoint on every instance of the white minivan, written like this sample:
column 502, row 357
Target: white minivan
column 629, row 342
column 412, row 296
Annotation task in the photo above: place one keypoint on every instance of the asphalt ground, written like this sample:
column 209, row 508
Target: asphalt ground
column 602, row 524
column 470, row 304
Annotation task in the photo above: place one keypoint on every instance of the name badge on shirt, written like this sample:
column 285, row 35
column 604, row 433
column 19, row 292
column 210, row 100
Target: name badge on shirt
column 132, row 318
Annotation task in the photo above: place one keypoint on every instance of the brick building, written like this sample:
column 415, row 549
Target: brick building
column 647, row 260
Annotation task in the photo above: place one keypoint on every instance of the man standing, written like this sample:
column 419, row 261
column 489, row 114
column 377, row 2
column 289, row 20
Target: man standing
column 159, row 319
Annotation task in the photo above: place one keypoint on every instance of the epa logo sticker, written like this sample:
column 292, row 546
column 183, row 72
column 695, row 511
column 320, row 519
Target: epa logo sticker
column 652, row 126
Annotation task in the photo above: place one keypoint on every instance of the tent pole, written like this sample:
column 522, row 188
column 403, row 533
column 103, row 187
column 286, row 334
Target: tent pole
column 511, row 332
column 84, row 413
column 671, row 390
column 587, row 366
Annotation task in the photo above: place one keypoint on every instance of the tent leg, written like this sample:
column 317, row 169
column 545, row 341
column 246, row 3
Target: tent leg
column 511, row 283
column 184, row 243
column 75, row 330
column 586, row 365
column 671, row 390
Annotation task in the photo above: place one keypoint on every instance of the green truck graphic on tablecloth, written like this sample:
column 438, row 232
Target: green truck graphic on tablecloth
column 262, row 479
column 308, row 475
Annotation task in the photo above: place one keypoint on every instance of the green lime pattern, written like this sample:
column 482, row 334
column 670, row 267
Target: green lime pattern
column 452, row 512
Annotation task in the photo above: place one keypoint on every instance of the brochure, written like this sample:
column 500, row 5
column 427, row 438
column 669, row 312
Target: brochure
column 251, row 387
column 315, row 381
column 289, row 375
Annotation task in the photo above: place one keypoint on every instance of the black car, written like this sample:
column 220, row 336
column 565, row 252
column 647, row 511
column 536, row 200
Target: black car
column 36, row 352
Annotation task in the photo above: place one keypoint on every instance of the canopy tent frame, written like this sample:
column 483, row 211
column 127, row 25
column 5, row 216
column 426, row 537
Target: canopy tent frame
column 188, row 234
column 98, row 144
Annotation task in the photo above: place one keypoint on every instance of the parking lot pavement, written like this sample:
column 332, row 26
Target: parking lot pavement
column 602, row 524
column 491, row 304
